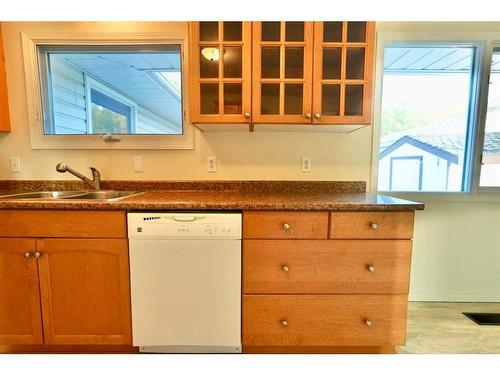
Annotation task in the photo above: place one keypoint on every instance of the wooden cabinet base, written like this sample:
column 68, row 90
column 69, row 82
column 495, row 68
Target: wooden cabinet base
column 87, row 349
column 251, row 349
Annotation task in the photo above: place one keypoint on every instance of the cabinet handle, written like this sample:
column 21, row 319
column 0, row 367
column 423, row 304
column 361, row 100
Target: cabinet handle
column 247, row 114
column 38, row 254
column 27, row 254
column 371, row 269
column 285, row 268
column 317, row 115
column 286, row 226
column 368, row 323
column 284, row 323
column 308, row 115
column 374, row 226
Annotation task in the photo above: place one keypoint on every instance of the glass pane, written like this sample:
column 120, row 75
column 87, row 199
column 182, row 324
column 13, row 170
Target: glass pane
column 209, row 62
column 232, row 99
column 270, row 64
column 353, row 100
column 232, row 62
column 332, row 61
column 294, row 62
column 490, row 168
column 356, row 31
column 294, row 31
column 426, row 95
column 209, row 96
column 271, row 31
column 134, row 89
column 293, row 98
column 209, row 31
column 355, row 63
column 332, row 31
column 270, row 99
column 233, row 31
column 330, row 100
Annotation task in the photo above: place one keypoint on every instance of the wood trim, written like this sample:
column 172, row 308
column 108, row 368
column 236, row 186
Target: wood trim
column 73, row 309
column 71, row 349
column 4, row 94
column 252, row 349
column 63, row 223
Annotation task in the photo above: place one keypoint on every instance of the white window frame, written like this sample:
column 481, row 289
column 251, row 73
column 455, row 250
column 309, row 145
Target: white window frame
column 39, row 140
column 484, row 42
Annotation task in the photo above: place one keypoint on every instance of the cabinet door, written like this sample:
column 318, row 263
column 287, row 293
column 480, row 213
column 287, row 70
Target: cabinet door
column 85, row 292
column 4, row 100
column 282, row 72
column 220, row 72
column 343, row 72
column 20, row 315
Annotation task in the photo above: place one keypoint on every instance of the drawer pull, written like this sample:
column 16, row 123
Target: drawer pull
column 371, row 269
column 374, row 226
column 368, row 323
column 284, row 323
column 27, row 254
column 284, row 268
column 286, row 226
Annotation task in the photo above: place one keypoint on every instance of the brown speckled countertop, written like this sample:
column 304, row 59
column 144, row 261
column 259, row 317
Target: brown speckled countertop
column 214, row 195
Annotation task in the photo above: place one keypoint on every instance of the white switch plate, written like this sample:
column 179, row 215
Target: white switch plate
column 138, row 164
column 306, row 164
column 15, row 164
column 212, row 164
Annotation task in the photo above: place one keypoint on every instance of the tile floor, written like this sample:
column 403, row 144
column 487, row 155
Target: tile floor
column 440, row 327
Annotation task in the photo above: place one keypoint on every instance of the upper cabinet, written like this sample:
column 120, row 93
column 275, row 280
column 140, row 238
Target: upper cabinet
column 282, row 72
column 4, row 99
column 313, row 73
column 220, row 67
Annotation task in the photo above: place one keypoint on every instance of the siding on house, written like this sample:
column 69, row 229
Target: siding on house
column 68, row 97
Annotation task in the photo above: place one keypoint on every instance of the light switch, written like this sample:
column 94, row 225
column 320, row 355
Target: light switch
column 138, row 164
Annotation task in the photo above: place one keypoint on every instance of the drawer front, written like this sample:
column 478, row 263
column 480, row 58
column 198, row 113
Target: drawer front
column 324, row 320
column 371, row 225
column 319, row 266
column 63, row 223
column 290, row 225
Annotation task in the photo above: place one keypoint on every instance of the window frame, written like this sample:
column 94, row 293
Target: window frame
column 39, row 140
column 484, row 43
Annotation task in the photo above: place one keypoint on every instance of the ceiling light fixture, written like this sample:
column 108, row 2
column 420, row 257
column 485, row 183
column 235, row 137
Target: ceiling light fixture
column 210, row 53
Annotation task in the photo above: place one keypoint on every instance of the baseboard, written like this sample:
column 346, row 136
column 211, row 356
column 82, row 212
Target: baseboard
column 414, row 297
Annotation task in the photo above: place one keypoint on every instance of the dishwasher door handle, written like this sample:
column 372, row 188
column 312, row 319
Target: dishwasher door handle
column 187, row 219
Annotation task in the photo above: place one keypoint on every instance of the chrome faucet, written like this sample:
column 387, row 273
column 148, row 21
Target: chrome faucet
column 96, row 176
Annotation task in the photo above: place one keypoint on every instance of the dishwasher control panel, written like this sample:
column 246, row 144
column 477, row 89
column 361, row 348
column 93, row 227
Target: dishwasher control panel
column 184, row 225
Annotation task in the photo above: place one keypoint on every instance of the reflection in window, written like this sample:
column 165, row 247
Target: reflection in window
column 425, row 117
column 111, row 90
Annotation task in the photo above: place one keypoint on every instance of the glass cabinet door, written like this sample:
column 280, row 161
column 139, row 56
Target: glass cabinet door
column 282, row 72
column 343, row 70
column 220, row 72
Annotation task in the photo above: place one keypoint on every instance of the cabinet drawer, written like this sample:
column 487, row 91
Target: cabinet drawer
column 324, row 320
column 279, row 224
column 319, row 266
column 371, row 225
column 63, row 223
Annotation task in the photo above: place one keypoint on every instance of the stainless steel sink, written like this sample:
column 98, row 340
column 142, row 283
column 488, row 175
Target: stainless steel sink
column 55, row 195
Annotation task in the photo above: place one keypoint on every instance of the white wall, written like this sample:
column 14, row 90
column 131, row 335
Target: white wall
column 444, row 232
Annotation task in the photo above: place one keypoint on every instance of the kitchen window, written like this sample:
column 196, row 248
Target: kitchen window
column 98, row 92
column 427, row 117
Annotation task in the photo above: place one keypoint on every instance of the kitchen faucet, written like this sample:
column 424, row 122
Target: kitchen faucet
column 95, row 182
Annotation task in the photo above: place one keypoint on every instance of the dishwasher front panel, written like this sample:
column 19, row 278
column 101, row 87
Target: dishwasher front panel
column 186, row 294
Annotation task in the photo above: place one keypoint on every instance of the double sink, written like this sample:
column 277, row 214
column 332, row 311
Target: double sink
column 82, row 194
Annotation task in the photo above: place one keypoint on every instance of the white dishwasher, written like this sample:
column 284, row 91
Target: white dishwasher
column 185, row 276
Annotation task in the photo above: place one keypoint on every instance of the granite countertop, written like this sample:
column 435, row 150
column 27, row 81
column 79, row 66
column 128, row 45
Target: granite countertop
column 218, row 195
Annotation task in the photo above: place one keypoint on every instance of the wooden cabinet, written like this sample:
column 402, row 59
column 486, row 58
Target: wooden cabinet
column 313, row 73
column 220, row 72
column 308, row 291
column 4, row 98
column 76, row 288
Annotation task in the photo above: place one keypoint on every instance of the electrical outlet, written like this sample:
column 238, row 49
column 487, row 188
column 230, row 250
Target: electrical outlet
column 138, row 164
column 15, row 164
column 212, row 164
column 306, row 164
